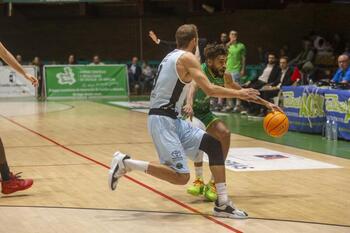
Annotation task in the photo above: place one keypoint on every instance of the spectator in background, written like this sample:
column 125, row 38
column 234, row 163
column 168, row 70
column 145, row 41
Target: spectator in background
column 19, row 59
column 223, row 39
column 38, row 64
column 96, row 61
column 269, row 75
column 235, row 65
column 342, row 75
column 71, row 60
column 305, row 58
column 148, row 75
column 146, row 70
column 134, row 72
column 287, row 76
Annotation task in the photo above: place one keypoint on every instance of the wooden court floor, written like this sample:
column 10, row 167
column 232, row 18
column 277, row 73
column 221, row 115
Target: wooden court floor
column 66, row 147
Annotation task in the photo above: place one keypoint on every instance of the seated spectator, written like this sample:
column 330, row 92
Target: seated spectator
column 305, row 58
column 148, row 75
column 134, row 72
column 71, row 60
column 96, row 61
column 342, row 75
column 287, row 76
column 269, row 75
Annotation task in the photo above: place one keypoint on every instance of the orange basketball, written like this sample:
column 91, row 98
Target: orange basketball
column 276, row 124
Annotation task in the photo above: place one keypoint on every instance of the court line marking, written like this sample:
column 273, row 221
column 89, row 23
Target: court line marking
column 70, row 107
column 168, row 212
column 188, row 207
column 81, row 144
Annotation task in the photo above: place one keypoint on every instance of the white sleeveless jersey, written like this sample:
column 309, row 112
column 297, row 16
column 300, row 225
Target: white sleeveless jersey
column 169, row 91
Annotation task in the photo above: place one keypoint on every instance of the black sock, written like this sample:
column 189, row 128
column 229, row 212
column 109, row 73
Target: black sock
column 5, row 171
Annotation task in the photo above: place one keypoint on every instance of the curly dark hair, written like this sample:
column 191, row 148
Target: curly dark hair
column 211, row 51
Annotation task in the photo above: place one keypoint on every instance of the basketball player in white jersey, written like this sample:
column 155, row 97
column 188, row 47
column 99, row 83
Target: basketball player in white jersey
column 10, row 182
column 175, row 139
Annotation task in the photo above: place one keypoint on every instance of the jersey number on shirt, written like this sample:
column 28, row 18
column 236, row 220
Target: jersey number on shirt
column 157, row 75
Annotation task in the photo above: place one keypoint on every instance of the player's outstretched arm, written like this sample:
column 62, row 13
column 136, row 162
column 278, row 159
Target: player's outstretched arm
column 193, row 68
column 229, row 83
column 11, row 61
column 267, row 104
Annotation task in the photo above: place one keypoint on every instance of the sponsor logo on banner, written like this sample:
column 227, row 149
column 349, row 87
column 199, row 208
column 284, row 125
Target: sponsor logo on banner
column 67, row 77
column 262, row 159
column 333, row 104
column 309, row 104
column 84, row 81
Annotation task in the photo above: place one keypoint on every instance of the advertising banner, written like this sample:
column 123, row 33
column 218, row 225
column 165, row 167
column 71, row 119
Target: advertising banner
column 81, row 81
column 13, row 84
column 304, row 106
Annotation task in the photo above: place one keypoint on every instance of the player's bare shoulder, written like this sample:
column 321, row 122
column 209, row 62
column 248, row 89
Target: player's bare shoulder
column 184, row 63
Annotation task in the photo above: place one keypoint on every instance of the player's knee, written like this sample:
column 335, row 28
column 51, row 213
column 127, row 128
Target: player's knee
column 182, row 178
column 213, row 148
column 225, row 134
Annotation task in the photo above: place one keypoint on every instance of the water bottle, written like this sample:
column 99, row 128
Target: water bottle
column 328, row 129
column 334, row 130
column 311, row 83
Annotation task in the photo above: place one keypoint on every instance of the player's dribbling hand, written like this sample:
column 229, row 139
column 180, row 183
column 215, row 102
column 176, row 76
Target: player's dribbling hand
column 274, row 107
column 32, row 79
column 188, row 111
column 248, row 94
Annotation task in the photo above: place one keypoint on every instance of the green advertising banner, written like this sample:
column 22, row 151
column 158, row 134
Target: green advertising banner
column 86, row 81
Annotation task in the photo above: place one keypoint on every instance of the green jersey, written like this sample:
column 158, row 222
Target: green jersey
column 234, row 57
column 201, row 103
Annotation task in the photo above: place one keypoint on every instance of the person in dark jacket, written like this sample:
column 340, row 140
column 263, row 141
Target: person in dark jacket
column 134, row 72
column 269, row 75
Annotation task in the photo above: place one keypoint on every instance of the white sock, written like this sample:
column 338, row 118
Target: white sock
column 222, row 193
column 198, row 171
column 136, row 165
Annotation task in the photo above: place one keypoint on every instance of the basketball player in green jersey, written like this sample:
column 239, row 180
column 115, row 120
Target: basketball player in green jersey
column 198, row 105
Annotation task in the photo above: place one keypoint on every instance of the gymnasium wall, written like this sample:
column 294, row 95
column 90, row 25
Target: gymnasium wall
column 118, row 38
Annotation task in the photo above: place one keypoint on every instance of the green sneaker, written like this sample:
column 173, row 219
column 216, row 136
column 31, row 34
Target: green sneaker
column 197, row 187
column 210, row 192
